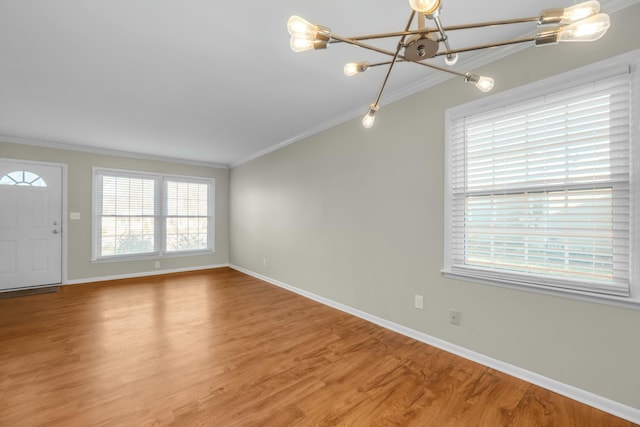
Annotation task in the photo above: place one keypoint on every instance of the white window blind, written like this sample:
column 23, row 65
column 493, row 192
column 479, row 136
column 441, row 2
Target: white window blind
column 187, row 216
column 540, row 190
column 126, row 215
column 139, row 214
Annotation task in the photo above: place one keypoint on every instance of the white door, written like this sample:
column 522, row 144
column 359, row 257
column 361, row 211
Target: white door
column 30, row 225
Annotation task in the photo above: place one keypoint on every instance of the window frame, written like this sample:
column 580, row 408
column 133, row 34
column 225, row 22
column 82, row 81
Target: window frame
column 160, row 214
column 567, row 80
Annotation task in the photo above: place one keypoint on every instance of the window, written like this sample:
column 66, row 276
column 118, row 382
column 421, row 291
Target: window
column 538, row 185
column 139, row 214
column 187, row 216
column 23, row 178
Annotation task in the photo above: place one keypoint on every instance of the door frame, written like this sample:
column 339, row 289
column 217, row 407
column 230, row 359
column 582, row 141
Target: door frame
column 64, row 168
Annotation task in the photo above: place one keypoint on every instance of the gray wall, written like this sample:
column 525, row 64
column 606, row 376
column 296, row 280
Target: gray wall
column 79, row 167
column 356, row 216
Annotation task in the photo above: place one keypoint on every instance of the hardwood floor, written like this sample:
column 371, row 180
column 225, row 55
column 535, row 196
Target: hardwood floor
column 220, row 348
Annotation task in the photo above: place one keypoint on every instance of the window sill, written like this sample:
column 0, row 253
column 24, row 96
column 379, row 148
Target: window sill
column 630, row 302
column 153, row 256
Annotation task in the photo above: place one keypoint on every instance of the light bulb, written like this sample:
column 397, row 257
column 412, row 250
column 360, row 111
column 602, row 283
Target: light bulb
column 353, row 68
column 306, row 36
column 579, row 11
column 571, row 14
column 301, row 43
column 370, row 118
column 485, row 84
column 298, row 25
column 587, row 30
column 428, row 7
column 451, row 59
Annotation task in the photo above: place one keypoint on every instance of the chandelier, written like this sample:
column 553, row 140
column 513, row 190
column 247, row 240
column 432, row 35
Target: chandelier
column 580, row 22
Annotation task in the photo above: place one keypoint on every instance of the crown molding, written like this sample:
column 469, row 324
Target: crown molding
column 107, row 152
column 611, row 6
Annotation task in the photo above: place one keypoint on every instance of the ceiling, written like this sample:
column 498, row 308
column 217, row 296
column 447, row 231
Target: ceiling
column 205, row 81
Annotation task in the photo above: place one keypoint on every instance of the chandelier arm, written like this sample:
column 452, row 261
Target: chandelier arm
column 443, row 35
column 435, row 67
column 395, row 58
column 490, row 23
column 389, row 35
column 401, row 57
column 486, row 46
column 434, row 30
column 362, row 45
column 389, row 53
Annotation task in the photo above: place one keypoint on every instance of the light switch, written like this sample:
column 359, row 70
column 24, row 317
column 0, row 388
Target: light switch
column 74, row 215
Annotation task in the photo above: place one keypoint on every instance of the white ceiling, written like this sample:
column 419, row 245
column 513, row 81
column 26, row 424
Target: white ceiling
column 204, row 81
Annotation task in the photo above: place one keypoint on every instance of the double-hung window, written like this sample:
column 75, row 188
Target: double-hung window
column 539, row 186
column 140, row 214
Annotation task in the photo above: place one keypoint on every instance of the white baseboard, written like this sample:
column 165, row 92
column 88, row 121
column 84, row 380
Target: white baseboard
column 142, row 274
column 612, row 407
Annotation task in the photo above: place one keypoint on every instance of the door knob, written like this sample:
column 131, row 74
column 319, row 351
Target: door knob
column 56, row 231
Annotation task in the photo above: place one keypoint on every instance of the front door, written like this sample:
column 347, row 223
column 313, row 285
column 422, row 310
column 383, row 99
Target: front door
column 30, row 224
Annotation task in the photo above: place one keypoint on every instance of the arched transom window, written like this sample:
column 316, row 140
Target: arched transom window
column 23, row 178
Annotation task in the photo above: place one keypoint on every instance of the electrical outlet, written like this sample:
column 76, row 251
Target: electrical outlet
column 418, row 302
column 454, row 316
column 264, row 262
column 157, row 264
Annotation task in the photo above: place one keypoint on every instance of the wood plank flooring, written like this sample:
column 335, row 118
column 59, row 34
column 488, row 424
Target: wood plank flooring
column 220, row 348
